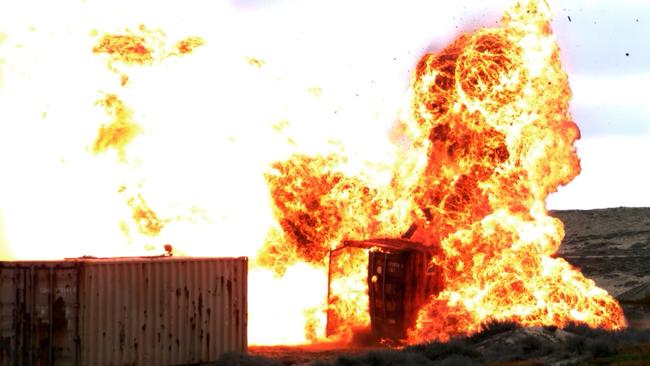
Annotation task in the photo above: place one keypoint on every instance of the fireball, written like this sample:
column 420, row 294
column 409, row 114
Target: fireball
column 490, row 116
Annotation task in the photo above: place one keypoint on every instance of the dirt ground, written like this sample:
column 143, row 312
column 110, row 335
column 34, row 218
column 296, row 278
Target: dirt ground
column 301, row 355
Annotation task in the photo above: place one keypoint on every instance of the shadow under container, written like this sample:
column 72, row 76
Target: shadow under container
column 122, row 311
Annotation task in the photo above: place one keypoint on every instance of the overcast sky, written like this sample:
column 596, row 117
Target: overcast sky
column 606, row 51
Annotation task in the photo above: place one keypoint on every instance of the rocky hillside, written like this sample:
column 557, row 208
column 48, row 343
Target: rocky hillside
column 611, row 246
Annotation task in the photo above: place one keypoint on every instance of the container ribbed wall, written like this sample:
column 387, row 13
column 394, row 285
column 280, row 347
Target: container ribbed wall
column 133, row 311
column 38, row 313
column 167, row 312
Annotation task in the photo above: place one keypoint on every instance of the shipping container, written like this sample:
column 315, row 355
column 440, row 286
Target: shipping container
column 122, row 311
column 400, row 280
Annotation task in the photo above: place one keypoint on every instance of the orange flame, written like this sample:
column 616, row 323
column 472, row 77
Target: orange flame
column 490, row 114
column 126, row 48
column 141, row 47
column 495, row 107
column 188, row 45
column 485, row 137
column 146, row 219
column 348, row 298
column 120, row 131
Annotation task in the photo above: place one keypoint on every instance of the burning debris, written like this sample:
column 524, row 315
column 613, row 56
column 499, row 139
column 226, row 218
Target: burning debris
column 141, row 47
column 133, row 48
column 120, row 131
column 188, row 45
column 125, row 48
column 489, row 115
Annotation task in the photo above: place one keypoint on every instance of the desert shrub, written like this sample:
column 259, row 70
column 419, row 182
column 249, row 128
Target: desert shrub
column 549, row 348
column 575, row 344
column 438, row 351
column 491, row 329
column 600, row 347
column 530, row 344
column 633, row 336
column 550, row 328
column 600, row 342
column 585, row 330
column 383, row 358
column 319, row 363
column 496, row 352
column 527, row 347
column 577, row 328
column 456, row 360
column 240, row 359
column 420, row 347
column 347, row 360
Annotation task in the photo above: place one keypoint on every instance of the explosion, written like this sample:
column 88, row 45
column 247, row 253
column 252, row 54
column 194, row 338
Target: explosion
column 490, row 113
column 500, row 139
column 143, row 152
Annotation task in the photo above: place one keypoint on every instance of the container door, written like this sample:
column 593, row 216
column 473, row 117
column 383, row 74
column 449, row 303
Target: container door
column 42, row 300
column 8, row 330
column 344, row 264
column 386, row 280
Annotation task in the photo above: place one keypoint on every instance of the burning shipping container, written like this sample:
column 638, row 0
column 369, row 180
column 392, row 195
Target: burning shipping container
column 122, row 311
column 400, row 280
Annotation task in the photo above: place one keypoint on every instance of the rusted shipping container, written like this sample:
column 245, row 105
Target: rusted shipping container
column 122, row 311
column 400, row 280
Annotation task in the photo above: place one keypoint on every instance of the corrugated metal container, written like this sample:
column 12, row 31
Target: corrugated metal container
column 398, row 285
column 38, row 313
column 123, row 311
column 400, row 280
